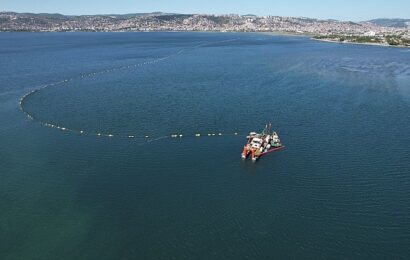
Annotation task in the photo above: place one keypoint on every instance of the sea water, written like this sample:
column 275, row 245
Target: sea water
column 340, row 188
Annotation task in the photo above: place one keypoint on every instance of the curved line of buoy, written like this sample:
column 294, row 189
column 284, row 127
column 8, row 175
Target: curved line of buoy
column 104, row 133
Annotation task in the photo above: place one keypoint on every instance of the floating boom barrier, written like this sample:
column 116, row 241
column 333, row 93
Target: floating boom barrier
column 64, row 82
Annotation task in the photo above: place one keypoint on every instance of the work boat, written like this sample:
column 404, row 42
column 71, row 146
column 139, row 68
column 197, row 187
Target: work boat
column 260, row 144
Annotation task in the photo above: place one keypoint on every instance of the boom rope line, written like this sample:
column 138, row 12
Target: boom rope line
column 150, row 138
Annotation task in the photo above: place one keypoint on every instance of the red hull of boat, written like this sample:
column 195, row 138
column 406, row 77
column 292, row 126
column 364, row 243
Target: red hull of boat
column 272, row 150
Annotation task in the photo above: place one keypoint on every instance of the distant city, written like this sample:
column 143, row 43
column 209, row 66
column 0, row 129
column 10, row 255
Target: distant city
column 379, row 31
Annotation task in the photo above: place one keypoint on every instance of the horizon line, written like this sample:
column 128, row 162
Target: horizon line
column 222, row 14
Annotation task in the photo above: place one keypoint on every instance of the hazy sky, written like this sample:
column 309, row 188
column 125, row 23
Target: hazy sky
column 355, row 10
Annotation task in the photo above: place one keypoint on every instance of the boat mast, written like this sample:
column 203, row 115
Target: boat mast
column 267, row 130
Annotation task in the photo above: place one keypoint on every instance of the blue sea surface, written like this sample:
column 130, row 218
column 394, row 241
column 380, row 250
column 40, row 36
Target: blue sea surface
column 339, row 190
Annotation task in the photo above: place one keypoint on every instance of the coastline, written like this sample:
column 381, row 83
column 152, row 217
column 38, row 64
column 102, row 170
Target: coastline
column 279, row 33
column 361, row 43
column 287, row 34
